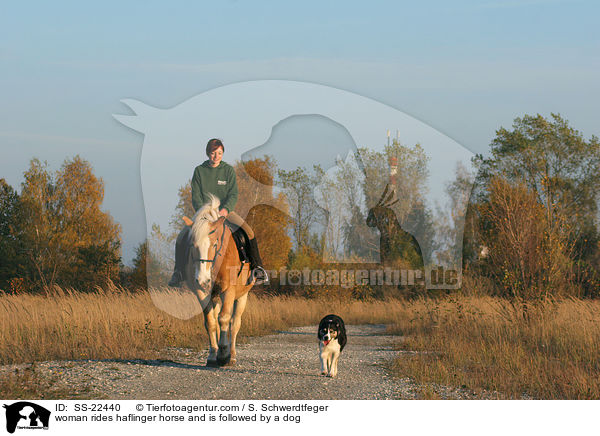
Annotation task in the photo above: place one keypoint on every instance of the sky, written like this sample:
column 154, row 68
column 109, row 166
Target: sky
column 464, row 68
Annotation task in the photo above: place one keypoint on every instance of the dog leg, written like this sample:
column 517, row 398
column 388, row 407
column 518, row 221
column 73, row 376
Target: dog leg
column 334, row 364
column 329, row 363
column 322, row 357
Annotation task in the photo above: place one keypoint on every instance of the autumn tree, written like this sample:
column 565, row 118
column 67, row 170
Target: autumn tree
column 529, row 256
column 67, row 238
column 147, row 267
column 39, row 229
column 13, row 260
column 184, row 207
column 562, row 171
column 267, row 212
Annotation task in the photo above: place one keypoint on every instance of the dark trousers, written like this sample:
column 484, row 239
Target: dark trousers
column 182, row 248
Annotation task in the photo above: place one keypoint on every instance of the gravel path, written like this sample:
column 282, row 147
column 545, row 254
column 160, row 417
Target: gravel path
column 276, row 367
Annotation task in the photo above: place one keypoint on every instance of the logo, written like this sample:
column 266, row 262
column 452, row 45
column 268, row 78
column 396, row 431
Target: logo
column 369, row 202
column 26, row 415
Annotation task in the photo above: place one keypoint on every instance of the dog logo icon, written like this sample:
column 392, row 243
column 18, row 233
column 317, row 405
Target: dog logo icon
column 26, row 415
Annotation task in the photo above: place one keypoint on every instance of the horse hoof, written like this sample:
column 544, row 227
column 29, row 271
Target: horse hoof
column 224, row 360
column 212, row 363
column 224, row 355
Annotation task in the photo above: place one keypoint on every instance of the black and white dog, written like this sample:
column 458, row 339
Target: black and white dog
column 332, row 339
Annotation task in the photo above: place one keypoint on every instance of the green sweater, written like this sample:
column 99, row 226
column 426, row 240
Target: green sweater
column 220, row 181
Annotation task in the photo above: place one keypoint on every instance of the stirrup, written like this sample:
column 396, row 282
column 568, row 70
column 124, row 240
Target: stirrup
column 260, row 276
column 176, row 280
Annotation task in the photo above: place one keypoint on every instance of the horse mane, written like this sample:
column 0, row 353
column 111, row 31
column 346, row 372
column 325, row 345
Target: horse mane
column 208, row 213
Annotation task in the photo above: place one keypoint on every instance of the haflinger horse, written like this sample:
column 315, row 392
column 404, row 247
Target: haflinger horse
column 219, row 280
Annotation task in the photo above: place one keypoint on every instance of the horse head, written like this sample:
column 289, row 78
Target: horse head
column 207, row 241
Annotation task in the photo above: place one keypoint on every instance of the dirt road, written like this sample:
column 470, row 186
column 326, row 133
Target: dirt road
column 281, row 366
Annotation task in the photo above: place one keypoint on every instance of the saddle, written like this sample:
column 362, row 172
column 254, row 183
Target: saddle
column 241, row 241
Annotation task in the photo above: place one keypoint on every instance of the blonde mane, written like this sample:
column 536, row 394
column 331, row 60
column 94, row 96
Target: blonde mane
column 208, row 213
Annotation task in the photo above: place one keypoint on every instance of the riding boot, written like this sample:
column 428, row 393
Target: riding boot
column 182, row 245
column 176, row 279
column 257, row 270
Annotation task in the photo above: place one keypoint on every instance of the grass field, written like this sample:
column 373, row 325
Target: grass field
column 119, row 324
column 478, row 343
column 483, row 343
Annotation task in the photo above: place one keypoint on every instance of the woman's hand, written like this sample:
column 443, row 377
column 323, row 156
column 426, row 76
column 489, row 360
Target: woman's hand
column 223, row 212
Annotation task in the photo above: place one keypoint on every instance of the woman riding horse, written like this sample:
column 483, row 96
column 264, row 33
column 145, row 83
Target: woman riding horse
column 214, row 176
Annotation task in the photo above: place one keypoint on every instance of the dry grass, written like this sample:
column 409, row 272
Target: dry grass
column 72, row 325
column 483, row 343
column 117, row 324
column 475, row 342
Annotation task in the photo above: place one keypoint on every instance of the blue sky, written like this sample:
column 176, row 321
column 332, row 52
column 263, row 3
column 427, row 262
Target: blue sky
column 463, row 67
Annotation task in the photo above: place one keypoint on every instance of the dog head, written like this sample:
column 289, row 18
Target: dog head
column 330, row 328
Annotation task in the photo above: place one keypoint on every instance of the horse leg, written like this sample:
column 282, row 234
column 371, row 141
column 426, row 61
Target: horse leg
column 236, row 322
column 210, row 322
column 224, row 353
column 217, row 306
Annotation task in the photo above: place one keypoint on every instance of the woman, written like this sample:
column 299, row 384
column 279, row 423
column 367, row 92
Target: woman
column 218, row 178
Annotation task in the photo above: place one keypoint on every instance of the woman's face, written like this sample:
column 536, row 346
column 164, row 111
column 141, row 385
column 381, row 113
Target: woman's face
column 215, row 156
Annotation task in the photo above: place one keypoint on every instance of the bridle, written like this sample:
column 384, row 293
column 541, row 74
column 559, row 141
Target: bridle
column 217, row 251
